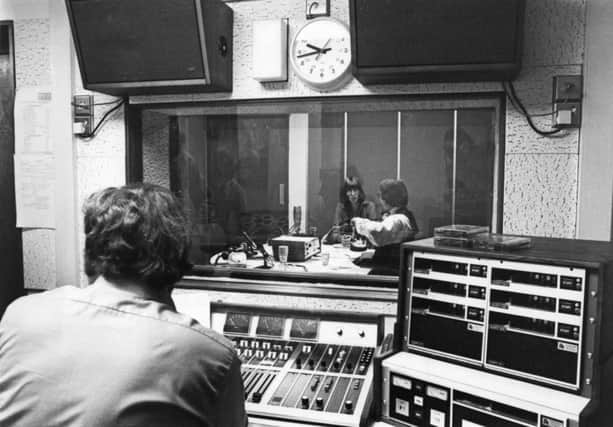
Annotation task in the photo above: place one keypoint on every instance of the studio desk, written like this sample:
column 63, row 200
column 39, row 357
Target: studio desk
column 341, row 260
column 348, row 268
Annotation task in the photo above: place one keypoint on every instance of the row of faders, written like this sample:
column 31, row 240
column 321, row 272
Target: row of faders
column 303, row 367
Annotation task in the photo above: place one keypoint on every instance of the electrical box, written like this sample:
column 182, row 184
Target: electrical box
column 567, row 94
column 83, row 114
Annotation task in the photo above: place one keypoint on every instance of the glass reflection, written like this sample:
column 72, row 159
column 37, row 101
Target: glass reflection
column 241, row 172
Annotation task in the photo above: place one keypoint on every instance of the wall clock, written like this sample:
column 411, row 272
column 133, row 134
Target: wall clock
column 320, row 53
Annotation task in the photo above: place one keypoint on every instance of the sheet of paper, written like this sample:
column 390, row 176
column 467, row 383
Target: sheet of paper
column 195, row 304
column 33, row 120
column 35, row 190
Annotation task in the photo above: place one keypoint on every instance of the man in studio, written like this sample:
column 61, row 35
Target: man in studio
column 116, row 353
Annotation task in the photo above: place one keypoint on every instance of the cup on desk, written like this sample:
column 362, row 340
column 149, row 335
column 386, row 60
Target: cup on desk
column 346, row 240
column 325, row 258
column 283, row 251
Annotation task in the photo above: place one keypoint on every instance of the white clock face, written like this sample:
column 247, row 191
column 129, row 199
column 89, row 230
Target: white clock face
column 321, row 53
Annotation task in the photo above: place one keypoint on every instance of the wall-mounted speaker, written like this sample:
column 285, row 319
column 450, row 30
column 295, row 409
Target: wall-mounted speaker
column 129, row 47
column 411, row 41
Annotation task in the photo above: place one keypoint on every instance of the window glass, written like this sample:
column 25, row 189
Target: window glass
column 255, row 171
column 325, row 167
column 371, row 148
column 423, row 166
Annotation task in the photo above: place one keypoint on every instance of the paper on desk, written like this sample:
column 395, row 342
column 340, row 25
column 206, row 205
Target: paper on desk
column 34, row 190
column 195, row 304
column 33, row 120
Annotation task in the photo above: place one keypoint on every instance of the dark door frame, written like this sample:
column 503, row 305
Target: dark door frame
column 11, row 248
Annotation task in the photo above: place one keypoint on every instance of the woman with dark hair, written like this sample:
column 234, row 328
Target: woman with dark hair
column 398, row 225
column 117, row 353
column 352, row 203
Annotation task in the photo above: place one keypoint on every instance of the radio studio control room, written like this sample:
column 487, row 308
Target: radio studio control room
column 306, row 213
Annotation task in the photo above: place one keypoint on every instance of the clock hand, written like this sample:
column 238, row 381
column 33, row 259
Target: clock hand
column 314, row 53
column 322, row 50
column 307, row 54
column 318, row 49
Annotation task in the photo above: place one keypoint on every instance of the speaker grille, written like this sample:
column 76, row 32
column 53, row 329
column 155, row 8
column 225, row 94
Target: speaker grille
column 122, row 41
column 441, row 32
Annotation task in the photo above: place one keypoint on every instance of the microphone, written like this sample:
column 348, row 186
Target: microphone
column 297, row 219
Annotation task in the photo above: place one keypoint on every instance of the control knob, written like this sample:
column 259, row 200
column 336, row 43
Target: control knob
column 305, row 402
column 349, row 406
column 337, row 363
column 319, row 403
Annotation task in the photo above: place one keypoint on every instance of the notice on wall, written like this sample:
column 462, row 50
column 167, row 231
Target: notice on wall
column 33, row 120
column 35, row 190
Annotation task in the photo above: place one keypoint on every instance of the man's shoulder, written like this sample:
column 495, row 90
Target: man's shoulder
column 198, row 336
column 40, row 299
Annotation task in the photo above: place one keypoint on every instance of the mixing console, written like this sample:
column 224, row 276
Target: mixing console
column 303, row 369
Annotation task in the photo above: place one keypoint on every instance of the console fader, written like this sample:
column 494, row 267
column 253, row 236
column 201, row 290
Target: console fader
column 302, row 366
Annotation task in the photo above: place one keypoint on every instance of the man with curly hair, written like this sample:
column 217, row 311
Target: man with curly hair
column 397, row 225
column 116, row 353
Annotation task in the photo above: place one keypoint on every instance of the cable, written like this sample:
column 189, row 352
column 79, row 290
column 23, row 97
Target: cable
column 98, row 103
column 509, row 90
column 314, row 4
column 108, row 113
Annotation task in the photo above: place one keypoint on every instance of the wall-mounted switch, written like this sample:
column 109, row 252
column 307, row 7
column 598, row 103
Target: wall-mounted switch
column 567, row 96
column 567, row 88
column 83, row 114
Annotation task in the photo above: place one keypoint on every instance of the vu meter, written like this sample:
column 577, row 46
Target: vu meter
column 304, row 329
column 270, row 326
column 237, row 323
